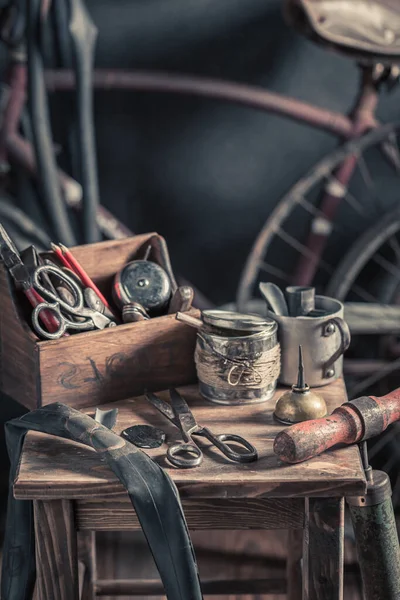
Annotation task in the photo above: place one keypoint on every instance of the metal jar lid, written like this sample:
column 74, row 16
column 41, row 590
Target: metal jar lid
column 226, row 319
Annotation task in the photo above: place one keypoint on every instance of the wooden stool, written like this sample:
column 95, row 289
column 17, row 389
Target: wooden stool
column 74, row 491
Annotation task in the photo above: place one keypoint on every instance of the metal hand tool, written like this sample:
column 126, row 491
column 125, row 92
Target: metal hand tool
column 275, row 298
column 39, row 112
column 350, row 423
column 187, row 454
column 134, row 312
column 372, row 513
column 63, row 311
column 70, row 262
column 23, row 280
column 32, row 260
column 181, row 300
column 301, row 300
column 83, row 36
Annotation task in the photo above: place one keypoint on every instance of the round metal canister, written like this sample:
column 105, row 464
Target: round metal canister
column 231, row 362
column 323, row 338
column 143, row 282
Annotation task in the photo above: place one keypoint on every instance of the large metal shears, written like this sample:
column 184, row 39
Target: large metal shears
column 187, row 454
column 63, row 311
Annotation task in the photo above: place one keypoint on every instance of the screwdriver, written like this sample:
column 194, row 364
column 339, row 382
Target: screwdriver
column 354, row 421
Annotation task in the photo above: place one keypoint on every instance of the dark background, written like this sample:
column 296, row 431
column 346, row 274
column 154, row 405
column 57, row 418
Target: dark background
column 203, row 173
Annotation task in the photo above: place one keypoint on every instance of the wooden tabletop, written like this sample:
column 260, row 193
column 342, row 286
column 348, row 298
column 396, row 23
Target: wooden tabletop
column 56, row 468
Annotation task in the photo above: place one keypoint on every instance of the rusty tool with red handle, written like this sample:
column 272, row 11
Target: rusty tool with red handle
column 354, row 421
column 372, row 513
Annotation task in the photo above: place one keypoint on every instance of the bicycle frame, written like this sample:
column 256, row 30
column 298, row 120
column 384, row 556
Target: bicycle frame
column 360, row 120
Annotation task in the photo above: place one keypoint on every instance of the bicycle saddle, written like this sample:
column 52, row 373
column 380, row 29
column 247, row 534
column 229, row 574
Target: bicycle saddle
column 366, row 29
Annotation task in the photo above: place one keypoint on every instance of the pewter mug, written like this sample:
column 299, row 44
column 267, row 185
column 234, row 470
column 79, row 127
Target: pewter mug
column 323, row 338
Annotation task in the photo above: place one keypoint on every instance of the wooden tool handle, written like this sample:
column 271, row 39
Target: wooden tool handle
column 352, row 422
column 181, row 300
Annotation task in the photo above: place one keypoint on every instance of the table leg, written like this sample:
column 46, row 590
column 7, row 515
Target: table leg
column 323, row 549
column 56, row 550
column 293, row 564
column 87, row 557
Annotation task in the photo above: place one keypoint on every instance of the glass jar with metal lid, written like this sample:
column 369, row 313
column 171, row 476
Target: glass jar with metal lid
column 237, row 356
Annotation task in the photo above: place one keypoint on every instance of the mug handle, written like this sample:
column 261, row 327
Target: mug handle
column 345, row 338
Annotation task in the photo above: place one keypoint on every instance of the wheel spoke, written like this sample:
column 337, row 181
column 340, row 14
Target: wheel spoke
column 316, row 212
column 389, row 464
column 363, row 294
column 395, row 246
column 378, row 446
column 374, row 378
column 385, row 439
column 263, row 266
column 390, row 149
column 385, row 264
column 355, row 204
column 369, row 183
column 296, row 245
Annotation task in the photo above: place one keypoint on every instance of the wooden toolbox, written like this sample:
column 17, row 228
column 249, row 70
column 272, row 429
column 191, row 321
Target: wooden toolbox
column 94, row 367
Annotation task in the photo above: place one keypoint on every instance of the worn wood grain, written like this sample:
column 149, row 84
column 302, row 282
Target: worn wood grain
column 19, row 357
column 146, row 588
column 56, row 550
column 223, row 555
column 293, row 564
column 323, row 553
column 55, row 468
column 208, row 513
column 96, row 366
column 115, row 363
column 87, row 557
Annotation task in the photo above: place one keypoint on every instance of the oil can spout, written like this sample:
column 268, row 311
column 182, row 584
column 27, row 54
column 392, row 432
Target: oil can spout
column 301, row 385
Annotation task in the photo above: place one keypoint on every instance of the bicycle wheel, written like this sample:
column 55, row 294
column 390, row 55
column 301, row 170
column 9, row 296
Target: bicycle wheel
column 375, row 258
column 282, row 240
column 373, row 265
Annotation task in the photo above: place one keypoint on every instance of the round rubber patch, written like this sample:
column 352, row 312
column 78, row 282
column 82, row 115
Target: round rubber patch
column 144, row 436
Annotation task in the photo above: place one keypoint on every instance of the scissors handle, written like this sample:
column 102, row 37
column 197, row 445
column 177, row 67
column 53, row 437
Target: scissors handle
column 63, row 322
column 184, row 455
column 75, row 289
column 223, row 443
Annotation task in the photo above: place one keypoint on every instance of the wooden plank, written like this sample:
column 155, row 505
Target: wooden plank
column 87, row 557
column 115, row 363
column 19, row 367
column 323, row 549
column 250, row 555
column 103, row 259
column 96, row 366
column 150, row 588
column 56, row 550
column 108, row 514
column 293, row 564
column 56, row 468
